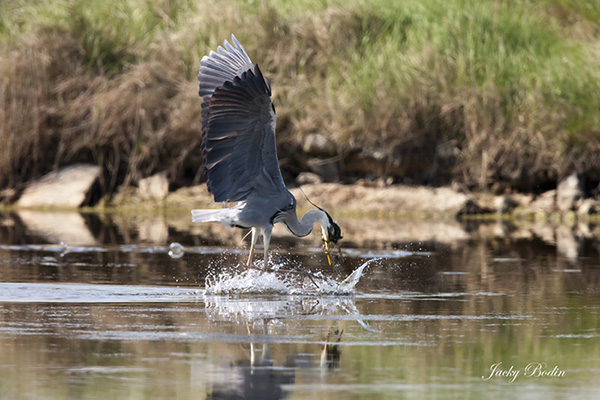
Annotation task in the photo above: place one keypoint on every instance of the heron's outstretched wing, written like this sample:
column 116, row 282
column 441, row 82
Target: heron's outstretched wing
column 222, row 66
column 238, row 126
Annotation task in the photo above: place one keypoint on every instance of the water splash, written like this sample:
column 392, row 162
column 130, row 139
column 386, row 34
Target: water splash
column 277, row 308
column 282, row 281
column 248, row 281
column 352, row 280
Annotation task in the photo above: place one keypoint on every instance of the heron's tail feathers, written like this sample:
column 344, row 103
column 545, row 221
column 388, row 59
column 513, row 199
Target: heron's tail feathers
column 223, row 216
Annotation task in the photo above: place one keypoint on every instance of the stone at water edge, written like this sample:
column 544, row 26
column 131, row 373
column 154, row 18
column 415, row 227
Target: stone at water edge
column 155, row 187
column 395, row 198
column 545, row 203
column 568, row 192
column 587, row 207
column 505, row 204
column 70, row 187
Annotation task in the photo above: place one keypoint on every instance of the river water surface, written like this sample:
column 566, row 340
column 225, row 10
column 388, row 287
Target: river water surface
column 114, row 307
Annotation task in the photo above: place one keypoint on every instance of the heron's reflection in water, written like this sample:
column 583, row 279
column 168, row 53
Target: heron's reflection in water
column 257, row 375
column 330, row 355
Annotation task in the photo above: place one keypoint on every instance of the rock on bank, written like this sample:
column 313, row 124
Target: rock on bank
column 70, row 187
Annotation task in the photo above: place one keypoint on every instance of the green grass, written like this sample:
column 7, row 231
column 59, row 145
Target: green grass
column 480, row 92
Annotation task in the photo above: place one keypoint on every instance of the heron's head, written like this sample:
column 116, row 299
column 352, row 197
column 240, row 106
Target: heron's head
column 334, row 233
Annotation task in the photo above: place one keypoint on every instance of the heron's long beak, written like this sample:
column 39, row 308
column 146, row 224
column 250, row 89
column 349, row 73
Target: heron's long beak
column 332, row 234
column 327, row 252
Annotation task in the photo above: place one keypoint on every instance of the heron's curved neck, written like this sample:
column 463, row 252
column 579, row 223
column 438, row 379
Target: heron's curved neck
column 306, row 223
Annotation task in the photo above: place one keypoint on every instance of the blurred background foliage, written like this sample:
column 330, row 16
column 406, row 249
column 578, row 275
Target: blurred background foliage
column 491, row 94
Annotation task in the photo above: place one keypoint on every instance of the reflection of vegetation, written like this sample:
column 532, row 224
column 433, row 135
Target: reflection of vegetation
column 427, row 344
column 490, row 90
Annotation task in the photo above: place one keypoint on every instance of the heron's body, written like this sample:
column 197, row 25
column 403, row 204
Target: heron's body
column 239, row 152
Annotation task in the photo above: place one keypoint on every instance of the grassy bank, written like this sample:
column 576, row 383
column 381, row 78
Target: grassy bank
column 479, row 92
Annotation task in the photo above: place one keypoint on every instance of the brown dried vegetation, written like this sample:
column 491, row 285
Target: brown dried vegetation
column 473, row 92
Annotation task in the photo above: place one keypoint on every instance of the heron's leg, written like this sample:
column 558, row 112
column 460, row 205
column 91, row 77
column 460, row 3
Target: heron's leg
column 267, row 240
column 252, row 243
column 265, row 356
column 252, row 353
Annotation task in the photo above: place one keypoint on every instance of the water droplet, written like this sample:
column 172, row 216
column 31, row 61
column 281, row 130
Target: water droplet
column 64, row 249
column 176, row 250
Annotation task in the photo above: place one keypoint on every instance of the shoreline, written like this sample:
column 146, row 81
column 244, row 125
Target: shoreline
column 370, row 215
column 359, row 200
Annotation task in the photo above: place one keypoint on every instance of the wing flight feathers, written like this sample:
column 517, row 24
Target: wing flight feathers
column 238, row 125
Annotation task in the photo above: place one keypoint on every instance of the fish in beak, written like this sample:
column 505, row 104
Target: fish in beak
column 331, row 236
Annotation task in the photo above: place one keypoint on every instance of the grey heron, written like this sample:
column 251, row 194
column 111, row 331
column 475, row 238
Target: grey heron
column 239, row 152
